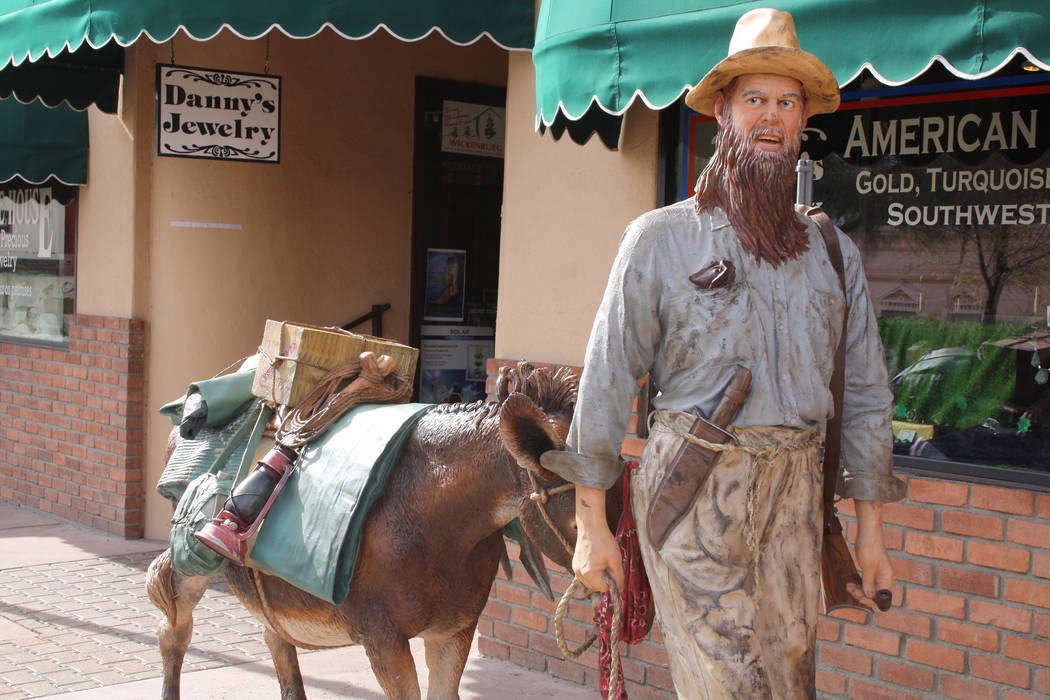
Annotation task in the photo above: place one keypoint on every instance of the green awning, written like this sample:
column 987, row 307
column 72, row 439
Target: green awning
column 45, row 45
column 31, row 28
column 81, row 78
column 610, row 52
column 38, row 143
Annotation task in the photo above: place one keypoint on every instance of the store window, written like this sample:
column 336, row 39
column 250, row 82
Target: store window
column 944, row 185
column 37, row 262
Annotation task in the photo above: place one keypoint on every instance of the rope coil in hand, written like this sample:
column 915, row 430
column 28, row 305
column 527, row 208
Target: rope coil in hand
column 559, row 630
column 540, row 496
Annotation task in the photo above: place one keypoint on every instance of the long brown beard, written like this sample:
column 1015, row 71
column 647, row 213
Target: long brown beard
column 756, row 190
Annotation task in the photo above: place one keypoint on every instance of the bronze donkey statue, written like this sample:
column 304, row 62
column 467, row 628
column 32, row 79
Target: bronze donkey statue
column 430, row 548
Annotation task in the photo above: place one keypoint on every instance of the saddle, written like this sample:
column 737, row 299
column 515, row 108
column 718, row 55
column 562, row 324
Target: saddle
column 312, row 534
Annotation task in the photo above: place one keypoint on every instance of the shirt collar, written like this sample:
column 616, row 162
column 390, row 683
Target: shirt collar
column 718, row 218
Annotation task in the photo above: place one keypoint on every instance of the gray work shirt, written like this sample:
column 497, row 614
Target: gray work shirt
column 783, row 324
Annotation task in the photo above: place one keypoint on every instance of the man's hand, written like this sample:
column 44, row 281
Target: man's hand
column 596, row 547
column 872, row 559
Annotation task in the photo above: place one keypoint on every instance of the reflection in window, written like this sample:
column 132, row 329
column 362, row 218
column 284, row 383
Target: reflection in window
column 966, row 307
column 37, row 261
column 901, row 301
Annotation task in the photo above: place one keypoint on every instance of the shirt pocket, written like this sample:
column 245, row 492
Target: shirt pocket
column 824, row 325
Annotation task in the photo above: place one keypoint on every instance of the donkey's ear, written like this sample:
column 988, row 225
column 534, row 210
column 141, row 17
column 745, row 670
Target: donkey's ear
column 527, row 433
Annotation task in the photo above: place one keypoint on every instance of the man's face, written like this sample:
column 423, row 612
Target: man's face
column 751, row 175
column 768, row 108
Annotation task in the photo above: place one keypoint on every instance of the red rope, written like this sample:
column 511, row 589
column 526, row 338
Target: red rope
column 636, row 597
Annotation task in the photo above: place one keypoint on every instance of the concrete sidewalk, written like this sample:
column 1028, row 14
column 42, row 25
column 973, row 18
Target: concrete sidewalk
column 75, row 622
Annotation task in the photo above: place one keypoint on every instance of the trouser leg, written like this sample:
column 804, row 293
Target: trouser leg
column 737, row 625
column 789, row 502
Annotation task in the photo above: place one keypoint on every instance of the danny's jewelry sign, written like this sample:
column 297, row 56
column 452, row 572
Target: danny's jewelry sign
column 206, row 113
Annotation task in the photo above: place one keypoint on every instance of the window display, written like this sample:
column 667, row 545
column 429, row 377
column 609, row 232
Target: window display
column 37, row 262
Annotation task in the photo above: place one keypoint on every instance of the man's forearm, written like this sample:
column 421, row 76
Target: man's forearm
column 590, row 507
column 596, row 549
column 869, row 516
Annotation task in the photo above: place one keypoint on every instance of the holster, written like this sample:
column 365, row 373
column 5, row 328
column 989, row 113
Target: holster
column 685, row 475
column 692, row 464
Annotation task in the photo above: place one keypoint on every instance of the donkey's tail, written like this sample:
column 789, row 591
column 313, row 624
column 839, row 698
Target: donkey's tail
column 174, row 593
column 159, row 585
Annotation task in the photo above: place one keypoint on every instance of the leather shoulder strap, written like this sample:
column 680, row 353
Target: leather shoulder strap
column 833, row 436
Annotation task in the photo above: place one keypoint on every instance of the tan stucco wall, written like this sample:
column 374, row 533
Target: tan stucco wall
column 565, row 207
column 105, row 223
column 113, row 236
column 322, row 236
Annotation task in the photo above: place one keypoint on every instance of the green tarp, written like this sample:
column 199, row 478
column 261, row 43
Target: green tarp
column 38, row 143
column 312, row 535
column 613, row 51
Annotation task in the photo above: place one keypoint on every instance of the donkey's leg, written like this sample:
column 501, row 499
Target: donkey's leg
column 446, row 657
column 176, row 595
column 286, row 661
column 392, row 664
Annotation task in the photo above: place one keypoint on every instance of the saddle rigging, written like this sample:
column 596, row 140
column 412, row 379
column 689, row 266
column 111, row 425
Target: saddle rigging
column 373, row 379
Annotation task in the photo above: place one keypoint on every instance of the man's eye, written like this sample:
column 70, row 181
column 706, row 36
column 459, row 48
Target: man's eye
column 787, row 104
column 752, row 100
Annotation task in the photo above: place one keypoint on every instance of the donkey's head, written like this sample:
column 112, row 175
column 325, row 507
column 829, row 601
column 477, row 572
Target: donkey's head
column 536, row 406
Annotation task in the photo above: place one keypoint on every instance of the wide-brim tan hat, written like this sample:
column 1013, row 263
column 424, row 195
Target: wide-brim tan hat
column 765, row 41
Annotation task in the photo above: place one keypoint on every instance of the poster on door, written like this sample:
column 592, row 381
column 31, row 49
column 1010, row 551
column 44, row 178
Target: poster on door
column 446, row 277
column 452, row 363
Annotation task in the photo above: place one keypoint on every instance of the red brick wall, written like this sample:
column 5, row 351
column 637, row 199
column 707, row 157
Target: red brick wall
column 973, row 566
column 72, row 425
column 971, row 616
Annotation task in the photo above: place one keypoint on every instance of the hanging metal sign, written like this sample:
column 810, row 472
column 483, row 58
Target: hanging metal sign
column 217, row 114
